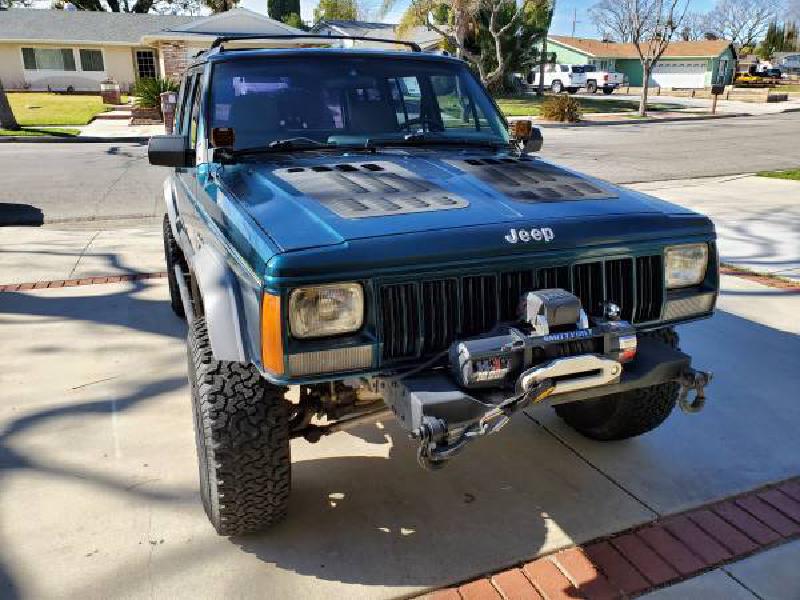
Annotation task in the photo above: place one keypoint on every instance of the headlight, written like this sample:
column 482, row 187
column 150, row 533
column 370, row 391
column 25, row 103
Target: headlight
column 326, row 310
column 686, row 265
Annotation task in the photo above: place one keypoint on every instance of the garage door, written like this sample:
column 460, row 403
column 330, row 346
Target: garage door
column 676, row 74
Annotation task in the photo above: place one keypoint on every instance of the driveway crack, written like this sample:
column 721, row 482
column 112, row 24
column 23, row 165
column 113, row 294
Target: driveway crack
column 613, row 481
column 83, row 253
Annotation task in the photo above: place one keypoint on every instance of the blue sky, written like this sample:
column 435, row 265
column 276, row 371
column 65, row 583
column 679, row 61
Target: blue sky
column 562, row 20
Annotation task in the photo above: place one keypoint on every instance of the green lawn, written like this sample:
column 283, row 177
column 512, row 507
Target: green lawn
column 790, row 174
column 522, row 106
column 792, row 87
column 42, row 108
column 30, row 132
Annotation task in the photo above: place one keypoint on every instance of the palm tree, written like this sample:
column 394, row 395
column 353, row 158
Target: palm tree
column 7, row 119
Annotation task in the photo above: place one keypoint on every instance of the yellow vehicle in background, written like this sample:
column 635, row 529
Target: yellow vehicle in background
column 747, row 75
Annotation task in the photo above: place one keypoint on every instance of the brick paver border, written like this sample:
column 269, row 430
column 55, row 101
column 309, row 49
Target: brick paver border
column 656, row 554
column 62, row 283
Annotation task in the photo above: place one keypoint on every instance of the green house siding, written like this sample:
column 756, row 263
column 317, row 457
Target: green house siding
column 632, row 68
column 567, row 56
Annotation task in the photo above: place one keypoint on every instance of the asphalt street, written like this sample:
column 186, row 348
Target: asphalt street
column 80, row 182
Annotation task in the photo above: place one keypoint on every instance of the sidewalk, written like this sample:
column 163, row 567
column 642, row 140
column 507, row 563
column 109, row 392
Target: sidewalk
column 757, row 218
column 119, row 128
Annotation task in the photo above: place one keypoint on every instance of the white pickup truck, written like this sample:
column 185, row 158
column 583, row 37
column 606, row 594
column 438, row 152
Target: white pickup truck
column 559, row 77
column 608, row 81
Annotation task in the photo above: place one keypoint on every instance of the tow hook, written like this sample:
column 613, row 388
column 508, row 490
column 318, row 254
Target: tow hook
column 689, row 380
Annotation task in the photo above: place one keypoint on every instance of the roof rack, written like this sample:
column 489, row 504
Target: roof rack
column 217, row 43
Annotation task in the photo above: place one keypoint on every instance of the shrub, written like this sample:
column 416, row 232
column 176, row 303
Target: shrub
column 148, row 91
column 561, row 107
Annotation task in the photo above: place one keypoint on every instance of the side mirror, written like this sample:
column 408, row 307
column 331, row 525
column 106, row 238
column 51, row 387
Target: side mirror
column 169, row 151
column 527, row 137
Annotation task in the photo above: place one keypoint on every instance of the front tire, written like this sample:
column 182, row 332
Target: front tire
column 627, row 414
column 591, row 86
column 556, row 87
column 242, row 435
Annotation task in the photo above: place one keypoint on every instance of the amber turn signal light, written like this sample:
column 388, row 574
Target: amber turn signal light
column 271, row 338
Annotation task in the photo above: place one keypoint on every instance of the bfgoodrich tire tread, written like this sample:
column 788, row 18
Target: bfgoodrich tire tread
column 242, row 429
column 625, row 415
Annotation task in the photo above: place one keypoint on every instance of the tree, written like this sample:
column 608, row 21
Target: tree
column 7, row 119
column 694, row 27
column 327, row 10
column 495, row 36
column 653, row 24
column 164, row 7
column 294, row 20
column 779, row 38
column 279, row 9
column 610, row 18
column 743, row 22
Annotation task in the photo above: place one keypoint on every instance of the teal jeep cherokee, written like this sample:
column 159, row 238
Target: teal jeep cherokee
column 362, row 225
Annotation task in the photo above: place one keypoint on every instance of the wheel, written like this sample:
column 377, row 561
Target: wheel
column 241, row 426
column 608, row 90
column 591, row 86
column 627, row 414
column 572, row 90
column 556, row 87
column 172, row 256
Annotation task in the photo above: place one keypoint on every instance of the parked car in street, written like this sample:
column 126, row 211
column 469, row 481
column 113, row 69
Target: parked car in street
column 558, row 77
column 607, row 81
column 363, row 225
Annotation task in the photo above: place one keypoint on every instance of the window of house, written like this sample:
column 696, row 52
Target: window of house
column 146, row 64
column 92, row 60
column 48, row 59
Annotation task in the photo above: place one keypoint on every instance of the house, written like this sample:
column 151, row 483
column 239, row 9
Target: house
column 427, row 39
column 60, row 49
column 696, row 64
column 787, row 61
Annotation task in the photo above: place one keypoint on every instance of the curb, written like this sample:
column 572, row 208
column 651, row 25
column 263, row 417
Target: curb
column 652, row 555
column 74, row 139
column 62, row 283
column 638, row 121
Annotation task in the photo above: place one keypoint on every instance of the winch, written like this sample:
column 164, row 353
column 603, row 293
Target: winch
column 554, row 351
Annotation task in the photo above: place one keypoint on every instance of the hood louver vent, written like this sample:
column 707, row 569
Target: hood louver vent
column 356, row 190
column 527, row 180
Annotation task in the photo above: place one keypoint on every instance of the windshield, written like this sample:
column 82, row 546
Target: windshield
column 350, row 101
column 577, row 69
column 588, row 68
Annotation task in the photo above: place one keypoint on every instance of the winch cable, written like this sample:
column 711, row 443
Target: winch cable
column 431, row 457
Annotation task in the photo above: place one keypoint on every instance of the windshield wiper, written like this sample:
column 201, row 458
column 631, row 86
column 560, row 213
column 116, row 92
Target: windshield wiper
column 427, row 139
column 297, row 143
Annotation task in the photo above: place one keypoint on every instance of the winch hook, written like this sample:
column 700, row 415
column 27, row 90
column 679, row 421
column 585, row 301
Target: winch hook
column 689, row 380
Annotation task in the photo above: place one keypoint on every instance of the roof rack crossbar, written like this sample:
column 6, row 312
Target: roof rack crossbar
column 217, row 43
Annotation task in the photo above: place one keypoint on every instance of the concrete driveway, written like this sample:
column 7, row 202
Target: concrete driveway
column 98, row 479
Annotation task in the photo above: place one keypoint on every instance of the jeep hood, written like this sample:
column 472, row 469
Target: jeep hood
column 315, row 200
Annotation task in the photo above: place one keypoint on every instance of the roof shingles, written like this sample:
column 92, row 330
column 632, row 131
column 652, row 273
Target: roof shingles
column 676, row 49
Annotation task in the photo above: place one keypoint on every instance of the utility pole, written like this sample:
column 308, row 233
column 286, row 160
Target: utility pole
column 574, row 20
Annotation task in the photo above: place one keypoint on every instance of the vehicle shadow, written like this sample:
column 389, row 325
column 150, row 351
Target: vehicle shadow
column 20, row 214
column 380, row 520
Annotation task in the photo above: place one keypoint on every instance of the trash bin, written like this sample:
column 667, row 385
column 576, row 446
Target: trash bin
column 168, row 101
column 109, row 92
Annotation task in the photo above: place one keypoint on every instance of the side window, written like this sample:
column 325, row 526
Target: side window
column 458, row 111
column 187, row 102
column 564, row 69
column 194, row 125
column 407, row 98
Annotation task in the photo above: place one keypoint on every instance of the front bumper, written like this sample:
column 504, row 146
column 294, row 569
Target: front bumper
column 444, row 417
